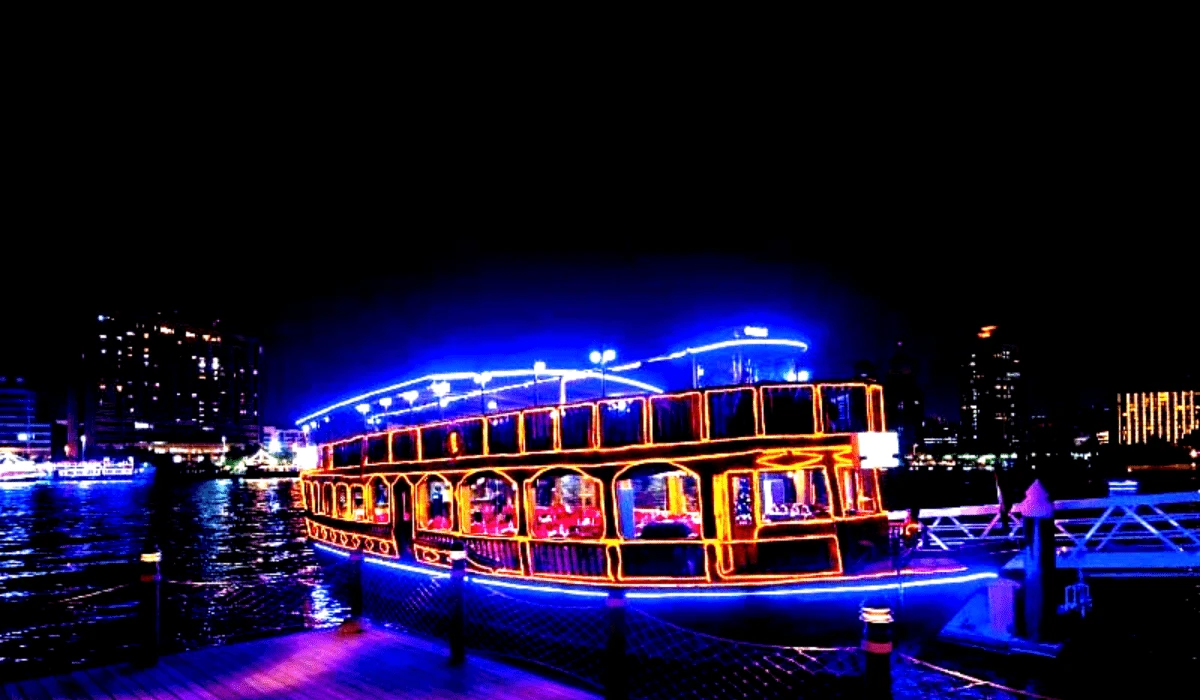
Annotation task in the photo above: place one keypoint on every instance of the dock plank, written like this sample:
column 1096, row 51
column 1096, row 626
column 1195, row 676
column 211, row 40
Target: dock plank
column 376, row 663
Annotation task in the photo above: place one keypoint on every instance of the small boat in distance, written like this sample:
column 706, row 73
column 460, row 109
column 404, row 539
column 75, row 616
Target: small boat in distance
column 14, row 468
column 104, row 469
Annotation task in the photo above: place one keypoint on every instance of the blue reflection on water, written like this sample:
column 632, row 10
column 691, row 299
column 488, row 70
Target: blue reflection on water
column 235, row 563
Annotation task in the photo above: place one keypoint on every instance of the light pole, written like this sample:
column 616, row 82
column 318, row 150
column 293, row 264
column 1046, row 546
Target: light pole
column 537, row 367
column 440, row 389
column 82, row 447
column 602, row 358
column 482, row 380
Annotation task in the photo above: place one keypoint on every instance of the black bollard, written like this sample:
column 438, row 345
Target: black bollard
column 353, row 624
column 877, row 620
column 458, row 617
column 615, row 668
column 149, row 597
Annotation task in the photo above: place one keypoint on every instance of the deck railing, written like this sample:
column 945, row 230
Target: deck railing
column 1169, row 521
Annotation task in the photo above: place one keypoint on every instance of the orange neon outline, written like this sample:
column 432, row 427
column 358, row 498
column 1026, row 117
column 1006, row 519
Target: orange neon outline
column 369, row 490
column 464, row 502
column 530, row 510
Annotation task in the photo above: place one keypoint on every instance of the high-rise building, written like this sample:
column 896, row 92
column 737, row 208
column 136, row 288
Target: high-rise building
column 160, row 378
column 20, row 431
column 905, row 400
column 1150, row 416
column 991, row 395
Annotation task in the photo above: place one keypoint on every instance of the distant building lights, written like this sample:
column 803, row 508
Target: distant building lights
column 754, row 332
column 22, row 437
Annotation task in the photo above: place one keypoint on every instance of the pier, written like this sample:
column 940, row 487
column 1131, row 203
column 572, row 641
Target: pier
column 318, row 664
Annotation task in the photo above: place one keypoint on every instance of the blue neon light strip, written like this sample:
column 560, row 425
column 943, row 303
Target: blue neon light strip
column 910, row 582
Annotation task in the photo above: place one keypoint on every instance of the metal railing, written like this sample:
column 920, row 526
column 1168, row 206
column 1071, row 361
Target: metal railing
column 1168, row 521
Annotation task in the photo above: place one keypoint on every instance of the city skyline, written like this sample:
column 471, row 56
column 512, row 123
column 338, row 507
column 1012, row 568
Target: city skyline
column 324, row 342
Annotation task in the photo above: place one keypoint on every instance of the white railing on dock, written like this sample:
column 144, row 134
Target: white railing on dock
column 1168, row 521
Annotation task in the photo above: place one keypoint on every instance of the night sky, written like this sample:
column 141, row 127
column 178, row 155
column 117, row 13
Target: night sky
column 350, row 308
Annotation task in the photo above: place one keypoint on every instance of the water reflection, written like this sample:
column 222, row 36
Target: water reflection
column 235, row 563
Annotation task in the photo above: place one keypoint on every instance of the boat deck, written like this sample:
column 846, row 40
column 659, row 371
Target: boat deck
column 321, row 664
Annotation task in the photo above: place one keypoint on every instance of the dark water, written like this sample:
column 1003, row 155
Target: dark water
column 235, row 565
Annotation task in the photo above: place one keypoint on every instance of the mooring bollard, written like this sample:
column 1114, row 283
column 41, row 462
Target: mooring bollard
column 1037, row 511
column 877, row 619
column 354, row 593
column 149, row 584
column 458, row 617
column 615, row 668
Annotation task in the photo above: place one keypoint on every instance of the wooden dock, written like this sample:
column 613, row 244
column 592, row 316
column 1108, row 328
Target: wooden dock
column 323, row 664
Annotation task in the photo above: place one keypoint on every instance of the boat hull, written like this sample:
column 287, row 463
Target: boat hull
column 822, row 612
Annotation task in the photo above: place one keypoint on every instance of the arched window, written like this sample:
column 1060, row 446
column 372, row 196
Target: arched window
column 567, row 505
column 489, row 503
column 436, row 504
column 327, row 499
column 342, row 506
column 379, row 501
column 790, row 496
column 358, row 509
column 658, row 502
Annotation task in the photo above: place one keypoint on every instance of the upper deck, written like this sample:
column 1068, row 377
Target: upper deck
column 622, row 428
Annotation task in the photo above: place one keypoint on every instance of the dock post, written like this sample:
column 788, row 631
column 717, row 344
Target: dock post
column 615, row 668
column 876, row 616
column 458, row 617
column 353, row 624
column 1037, row 511
column 149, row 598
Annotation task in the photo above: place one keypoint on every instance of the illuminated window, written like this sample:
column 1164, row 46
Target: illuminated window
column 791, row 496
column 357, row 511
column 658, row 502
column 491, row 506
column 342, row 507
column 379, row 501
column 566, row 505
column 436, row 505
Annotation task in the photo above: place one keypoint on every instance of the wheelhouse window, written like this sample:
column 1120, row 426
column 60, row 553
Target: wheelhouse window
column 490, row 502
column 358, row 510
column 621, row 422
column 404, row 446
column 675, row 418
column 348, row 454
column 788, row 410
column 539, row 429
column 377, row 449
column 577, row 428
column 731, row 414
column 658, row 502
column 504, row 434
column 860, row 492
column 379, row 501
column 844, row 409
column 791, row 496
column 566, row 505
column 436, row 505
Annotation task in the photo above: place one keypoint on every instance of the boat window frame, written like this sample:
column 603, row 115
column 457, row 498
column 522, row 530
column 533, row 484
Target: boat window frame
column 531, row 505
column 668, row 467
column 764, row 522
column 463, row 503
column 370, row 502
column 338, row 511
column 421, row 504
